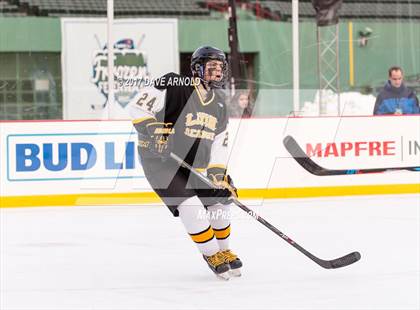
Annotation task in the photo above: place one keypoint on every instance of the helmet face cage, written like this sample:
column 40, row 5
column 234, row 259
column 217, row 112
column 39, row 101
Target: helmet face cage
column 198, row 64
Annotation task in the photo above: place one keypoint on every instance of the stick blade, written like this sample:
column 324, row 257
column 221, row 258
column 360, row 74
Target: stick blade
column 302, row 159
column 341, row 261
column 300, row 156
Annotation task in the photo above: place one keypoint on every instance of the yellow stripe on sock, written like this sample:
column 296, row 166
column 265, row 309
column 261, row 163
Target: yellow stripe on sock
column 222, row 233
column 204, row 236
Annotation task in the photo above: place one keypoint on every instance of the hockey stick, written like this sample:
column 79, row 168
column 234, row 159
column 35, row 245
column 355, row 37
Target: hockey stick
column 309, row 165
column 328, row 264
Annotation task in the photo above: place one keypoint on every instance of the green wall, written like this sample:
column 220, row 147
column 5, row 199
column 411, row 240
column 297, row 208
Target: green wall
column 390, row 44
column 394, row 43
column 30, row 34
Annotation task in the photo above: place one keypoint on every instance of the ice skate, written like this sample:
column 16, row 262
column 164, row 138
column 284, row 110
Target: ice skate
column 218, row 265
column 234, row 262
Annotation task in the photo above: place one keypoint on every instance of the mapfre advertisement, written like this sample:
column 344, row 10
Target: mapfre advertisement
column 139, row 57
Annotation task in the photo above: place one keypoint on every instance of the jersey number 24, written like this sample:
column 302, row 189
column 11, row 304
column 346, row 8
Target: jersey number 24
column 145, row 102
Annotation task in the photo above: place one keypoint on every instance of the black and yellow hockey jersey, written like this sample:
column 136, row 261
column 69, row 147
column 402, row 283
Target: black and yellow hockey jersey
column 198, row 126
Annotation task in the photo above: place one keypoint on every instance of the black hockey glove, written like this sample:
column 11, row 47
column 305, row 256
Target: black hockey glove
column 155, row 136
column 226, row 190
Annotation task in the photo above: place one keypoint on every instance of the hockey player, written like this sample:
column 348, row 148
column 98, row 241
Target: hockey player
column 189, row 118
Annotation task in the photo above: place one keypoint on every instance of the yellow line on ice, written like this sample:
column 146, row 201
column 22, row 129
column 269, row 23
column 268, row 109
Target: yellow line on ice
column 150, row 197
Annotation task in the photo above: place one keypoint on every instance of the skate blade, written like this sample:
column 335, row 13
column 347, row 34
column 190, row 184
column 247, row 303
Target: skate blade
column 235, row 272
column 223, row 276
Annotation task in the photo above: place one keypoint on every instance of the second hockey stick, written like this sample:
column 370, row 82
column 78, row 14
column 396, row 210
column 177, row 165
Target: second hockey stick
column 328, row 264
column 309, row 165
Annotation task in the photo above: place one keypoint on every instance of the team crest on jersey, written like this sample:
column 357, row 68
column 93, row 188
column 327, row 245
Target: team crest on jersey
column 130, row 64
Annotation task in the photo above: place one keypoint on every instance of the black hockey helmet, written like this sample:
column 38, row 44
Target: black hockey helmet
column 198, row 63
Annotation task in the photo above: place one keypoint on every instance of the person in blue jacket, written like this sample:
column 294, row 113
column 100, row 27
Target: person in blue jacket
column 395, row 97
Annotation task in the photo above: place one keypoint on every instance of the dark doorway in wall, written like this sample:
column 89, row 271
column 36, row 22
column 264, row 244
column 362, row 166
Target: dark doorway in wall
column 30, row 86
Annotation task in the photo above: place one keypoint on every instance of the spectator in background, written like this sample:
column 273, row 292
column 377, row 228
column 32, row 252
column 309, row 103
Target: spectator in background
column 395, row 97
column 240, row 105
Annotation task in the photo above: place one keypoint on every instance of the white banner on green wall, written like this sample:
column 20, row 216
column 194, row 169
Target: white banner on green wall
column 144, row 49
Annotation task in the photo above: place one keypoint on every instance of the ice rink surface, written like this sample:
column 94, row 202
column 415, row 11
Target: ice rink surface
column 139, row 257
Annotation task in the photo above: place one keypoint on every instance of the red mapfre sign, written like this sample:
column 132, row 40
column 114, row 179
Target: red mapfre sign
column 359, row 148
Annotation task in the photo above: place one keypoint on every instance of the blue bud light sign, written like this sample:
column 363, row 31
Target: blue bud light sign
column 72, row 156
